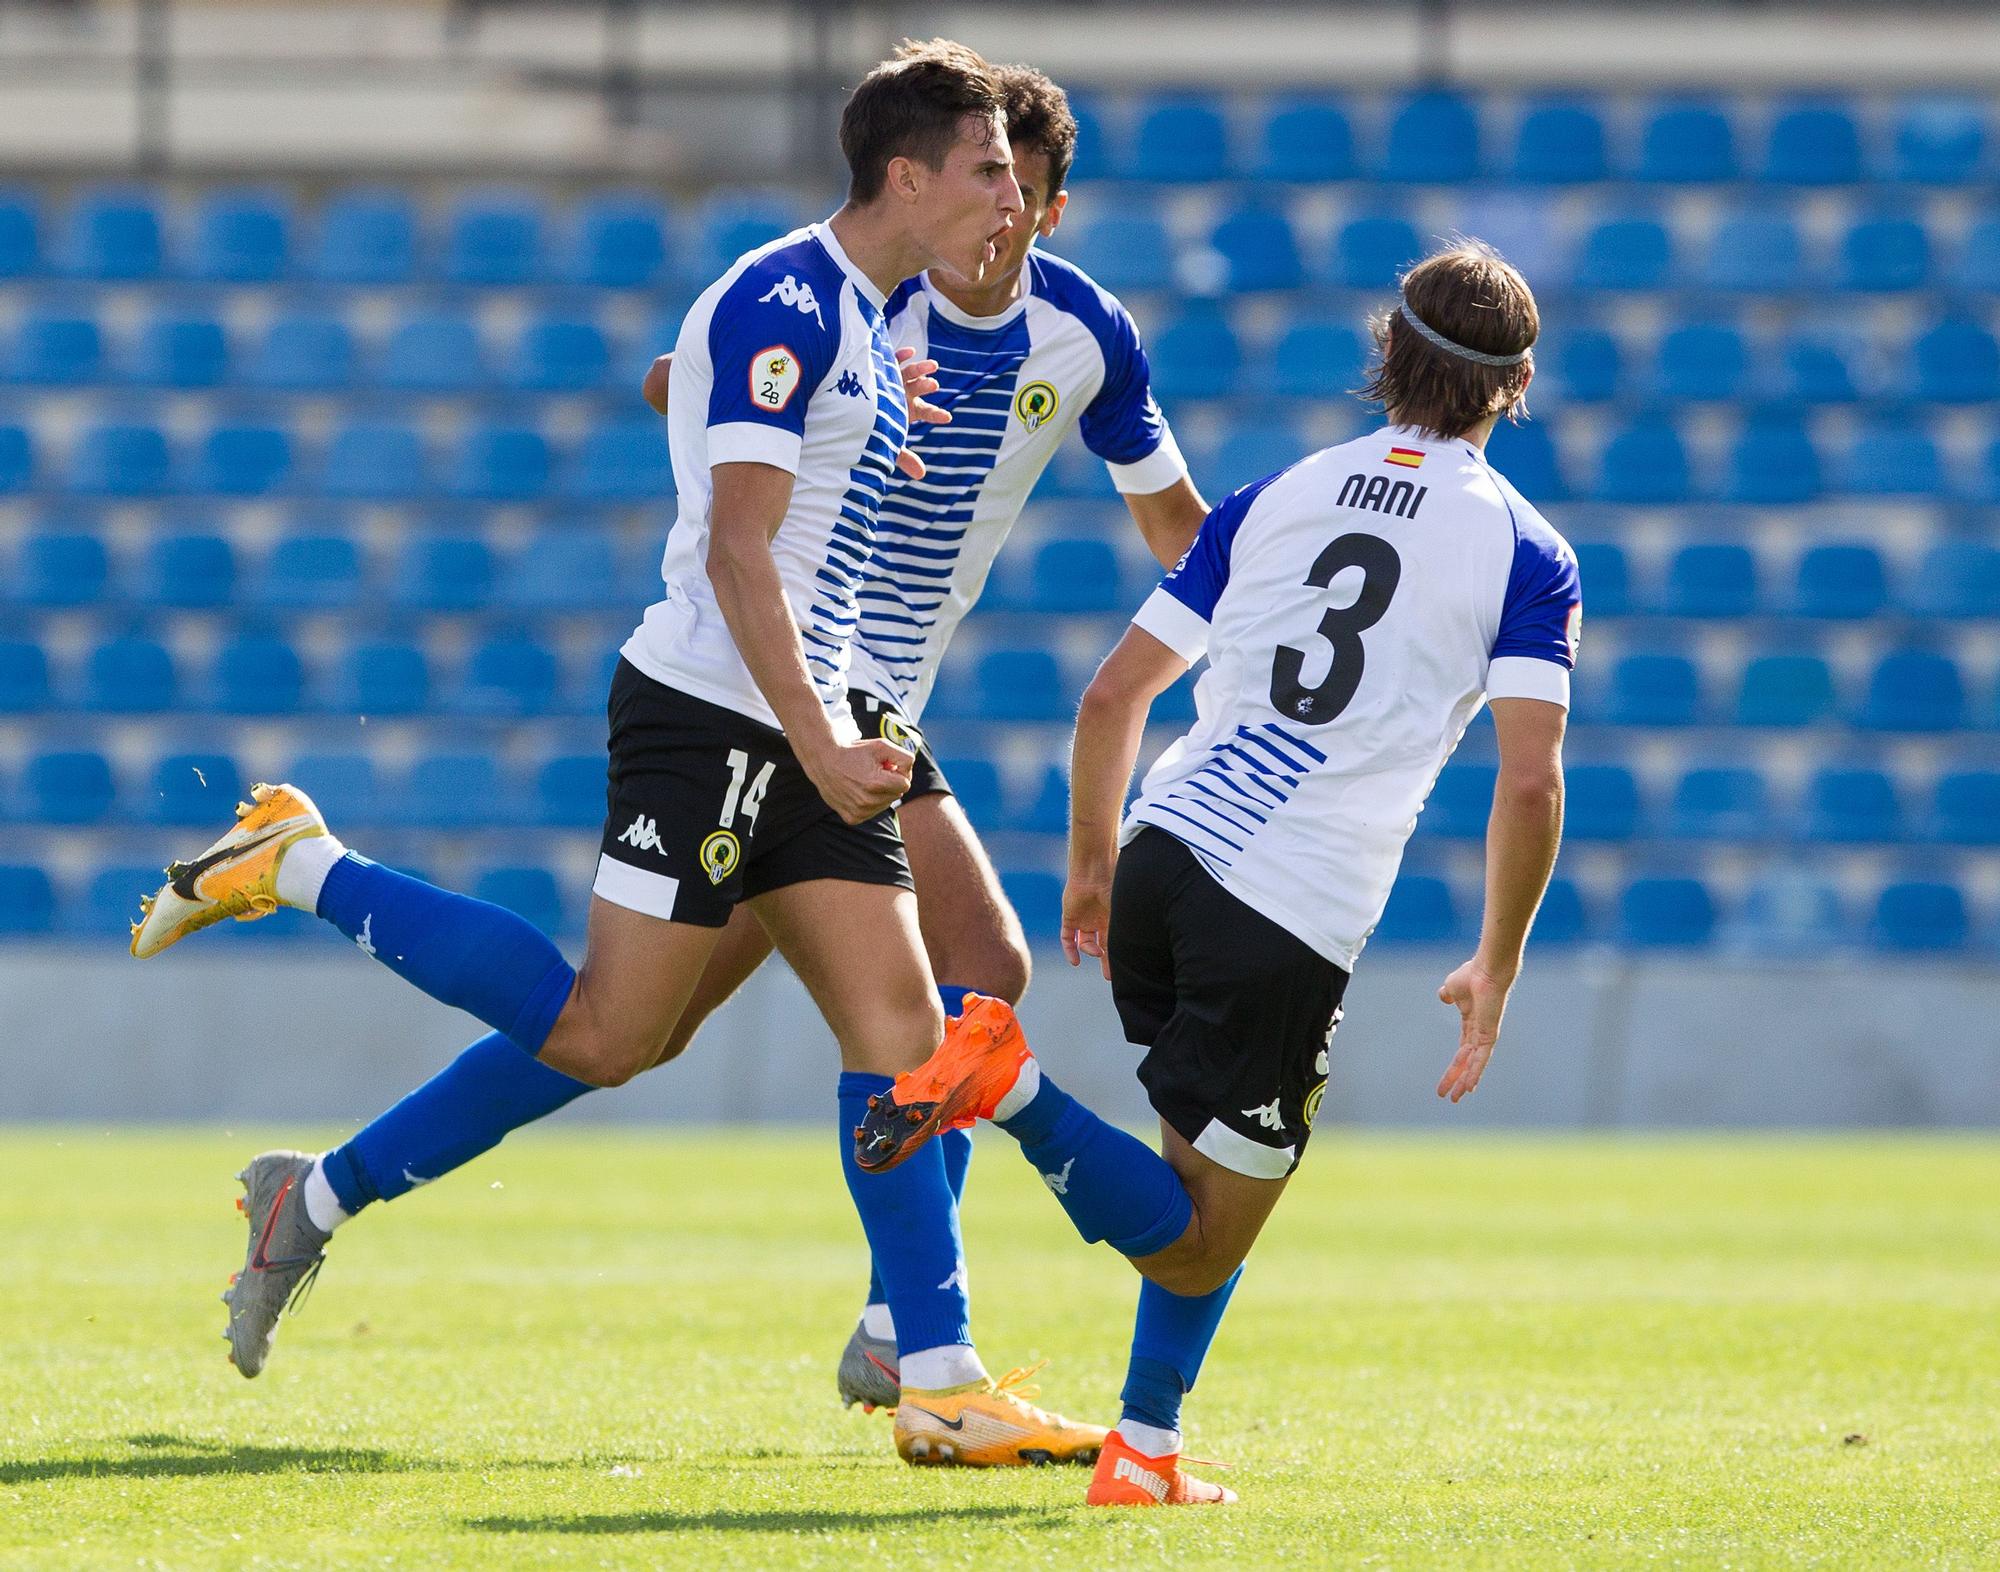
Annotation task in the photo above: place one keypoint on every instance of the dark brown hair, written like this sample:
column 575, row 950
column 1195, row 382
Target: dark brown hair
column 1473, row 296
column 1039, row 118
column 913, row 105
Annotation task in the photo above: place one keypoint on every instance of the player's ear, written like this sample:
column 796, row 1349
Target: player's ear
column 1052, row 215
column 902, row 179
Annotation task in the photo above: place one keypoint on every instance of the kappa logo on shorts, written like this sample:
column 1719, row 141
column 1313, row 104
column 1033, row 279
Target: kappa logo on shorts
column 1268, row 1115
column 643, row 835
column 720, row 854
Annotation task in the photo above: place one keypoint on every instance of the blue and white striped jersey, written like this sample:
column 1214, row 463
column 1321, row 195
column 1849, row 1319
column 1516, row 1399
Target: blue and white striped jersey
column 1066, row 354
column 784, row 360
column 1356, row 610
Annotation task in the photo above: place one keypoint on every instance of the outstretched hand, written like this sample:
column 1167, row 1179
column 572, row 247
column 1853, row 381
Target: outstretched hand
column 918, row 379
column 1481, row 998
column 1086, row 919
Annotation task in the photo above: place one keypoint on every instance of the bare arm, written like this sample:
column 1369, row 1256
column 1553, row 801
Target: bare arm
column 1110, row 723
column 857, row 779
column 1521, row 840
column 1168, row 520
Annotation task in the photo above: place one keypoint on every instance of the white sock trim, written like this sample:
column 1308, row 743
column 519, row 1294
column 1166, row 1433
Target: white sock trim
column 322, row 1205
column 931, row 1369
column 1150, row 1439
column 1021, row 1093
column 878, row 1323
column 303, row 869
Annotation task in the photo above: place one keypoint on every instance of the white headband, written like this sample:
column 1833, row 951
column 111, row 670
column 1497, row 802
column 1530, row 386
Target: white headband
column 1431, row 335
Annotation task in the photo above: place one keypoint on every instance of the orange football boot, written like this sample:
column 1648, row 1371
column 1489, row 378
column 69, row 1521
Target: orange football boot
column 974, row 1067
column 1127, row 1477
column 989, row 1424
column 236, row 877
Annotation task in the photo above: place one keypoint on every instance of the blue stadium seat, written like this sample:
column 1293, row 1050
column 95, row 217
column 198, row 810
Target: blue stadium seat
column 113, row 234
column 621, row 241
column 1711, row 579
column 1666, row 913
column 384, row 677
column 1920, row 917
column 434, row 352
column 1632, row 251
column 121, row 460
column 494, row 237
column 560, row 354
column 303, row 351
column 1076, row 576
column 131, row 675
column 1123, row 249
column 621, row 460
column 570, row 568
column 1788, row 912
column 243, row 461
column 56, row 349
column 1689, row 141
column 1563, row 917
column 1773, row 461
column 27, row 901
column 1433, row 139
column 1720, row 804
column 1956, row 362
column 1914, row 690
column 529, row 892
column 508, row 674
column 1785, row 690
column 733, row 222
column 1526, row 455
column 1021, row 685
column 343, row 786
column 1196, row 355
column 181, row 352
column 975, row 781
column 58, row 568
column 1601, row 803
column 1815, row 368
column 570, row 791
column 1958, row 578
column 17, row 459
column 194, row 572
column 1421, row 910
column 1371, row 250
column 1701, row 363
column 1094, row 139
column 1886, row 250
column 1252, row 451
column 1813, row 142
column 1606, row 577
column 70, row 787
column 367, row 237
column 458, row 791
column 1047, row 811
column 258, row 674
column 1850, row 806
column 1978, row 260
column 1644, row 462
column 20, row 233
column 1461, row 801
column 1939, row 141
column 1315, row 357
column 1257, row 243
column 1560, row 142
column 375, row 459
column 1654, row 690
column 242, row 237
column 444, row 573
column 111, row 899
column 498, row 463
column 1757, row 251
column 194, row 788
column 1037, row 896
column 1966, row 808
column 1893, row 456
column 310, row 573
column 1584, row 362
column 1181, row 139
column 1307, row 141
column 1841, row 580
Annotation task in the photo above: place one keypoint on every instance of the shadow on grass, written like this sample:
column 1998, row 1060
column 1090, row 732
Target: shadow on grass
column 158, row 1456
column 803, row 1521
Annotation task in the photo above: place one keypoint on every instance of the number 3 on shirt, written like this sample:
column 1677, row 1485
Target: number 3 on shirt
column 1381, row 571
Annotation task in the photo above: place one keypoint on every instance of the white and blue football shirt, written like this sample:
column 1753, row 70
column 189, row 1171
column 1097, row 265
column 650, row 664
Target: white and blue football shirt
column 1065, row 355
column 1356, row 609
column 785, row 360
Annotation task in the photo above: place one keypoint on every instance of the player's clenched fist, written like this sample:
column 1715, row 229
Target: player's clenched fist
column 861, row 779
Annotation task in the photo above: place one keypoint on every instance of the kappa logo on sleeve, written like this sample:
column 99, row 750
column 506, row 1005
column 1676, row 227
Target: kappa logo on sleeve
column 1574, row 630
column 788, row 291
column 774, row 377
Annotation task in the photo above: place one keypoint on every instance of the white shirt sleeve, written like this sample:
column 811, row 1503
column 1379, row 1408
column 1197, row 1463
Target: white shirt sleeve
column 1527, row 677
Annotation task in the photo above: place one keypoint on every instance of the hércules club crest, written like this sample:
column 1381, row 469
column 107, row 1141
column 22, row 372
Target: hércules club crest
column 1036, row 405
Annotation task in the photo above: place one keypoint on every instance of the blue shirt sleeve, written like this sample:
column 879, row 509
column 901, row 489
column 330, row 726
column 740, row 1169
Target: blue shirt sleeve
column 1123, row 425
column 1199, row 578
column 1539, row 616
column 772, row 341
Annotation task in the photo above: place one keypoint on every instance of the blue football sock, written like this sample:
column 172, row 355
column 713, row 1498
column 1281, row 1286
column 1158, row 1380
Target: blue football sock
column 475, row 956
column 1115, row 1187
column 1170, row 1338
column 957, row 1146
column 911, row 1222
column 491, row 1089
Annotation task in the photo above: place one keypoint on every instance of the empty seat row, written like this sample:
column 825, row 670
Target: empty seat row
column 1834, row 580
column 1908, row 691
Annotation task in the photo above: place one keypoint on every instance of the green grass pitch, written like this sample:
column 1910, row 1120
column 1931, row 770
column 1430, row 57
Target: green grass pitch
column 617, row 1350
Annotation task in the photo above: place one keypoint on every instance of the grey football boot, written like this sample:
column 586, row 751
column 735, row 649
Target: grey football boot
column 868, row 1373
column 282, row 1259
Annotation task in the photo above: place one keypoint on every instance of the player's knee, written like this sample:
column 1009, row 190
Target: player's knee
column 1190, row 1279
column 996, row 964
column 595, row 1056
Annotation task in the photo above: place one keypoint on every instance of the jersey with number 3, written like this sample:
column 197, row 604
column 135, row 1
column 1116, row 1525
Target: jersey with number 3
column 1356, row 610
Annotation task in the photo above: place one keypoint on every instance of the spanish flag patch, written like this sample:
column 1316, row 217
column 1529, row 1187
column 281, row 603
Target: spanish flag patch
column 1409, row 458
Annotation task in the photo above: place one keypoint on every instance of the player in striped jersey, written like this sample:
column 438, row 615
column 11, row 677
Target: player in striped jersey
column 1018, row 360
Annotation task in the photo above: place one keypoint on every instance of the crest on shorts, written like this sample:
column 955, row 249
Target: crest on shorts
column 1036, row 405
column 720, row 854
column 1312, row 1103
column 899, row 731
